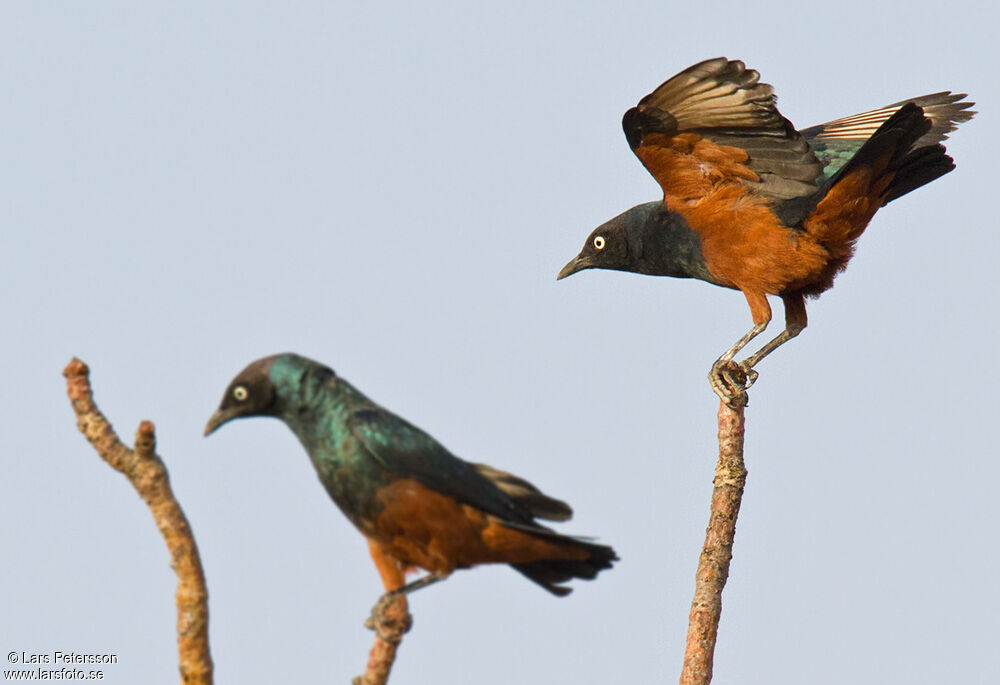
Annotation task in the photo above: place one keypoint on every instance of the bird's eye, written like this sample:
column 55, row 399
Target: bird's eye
column 599, row 242
column 240, row 393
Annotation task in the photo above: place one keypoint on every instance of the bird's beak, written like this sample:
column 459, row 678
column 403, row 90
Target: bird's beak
column 578, row 263
column 218, row 418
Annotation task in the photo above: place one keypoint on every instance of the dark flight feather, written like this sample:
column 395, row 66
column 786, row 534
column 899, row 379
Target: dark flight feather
column 722, row 101
column 527, row 495
column 407, row 451
column 835, row 142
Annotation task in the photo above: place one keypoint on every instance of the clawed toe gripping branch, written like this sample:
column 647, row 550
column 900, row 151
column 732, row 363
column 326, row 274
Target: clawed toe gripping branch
column 727, row 493
column 730, row 380
column 148, row 475
column 390, row 619
column 389, row 623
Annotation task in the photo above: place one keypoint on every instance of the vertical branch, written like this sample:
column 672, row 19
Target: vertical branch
column 389, row 629
column 713, row 565
column 390, row 621
column 148, row 476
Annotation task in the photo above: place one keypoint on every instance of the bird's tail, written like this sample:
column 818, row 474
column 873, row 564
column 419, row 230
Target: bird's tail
column 887, row 166
column 550, row 574
column 569, row 557
column 835, row 142
column 584, row 560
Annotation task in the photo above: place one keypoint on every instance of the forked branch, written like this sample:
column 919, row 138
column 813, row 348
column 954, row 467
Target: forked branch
column 148, row 475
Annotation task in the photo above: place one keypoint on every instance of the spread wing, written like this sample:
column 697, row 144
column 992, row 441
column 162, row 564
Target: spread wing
column 835, row 142
column 409, row 452
column 715, row 125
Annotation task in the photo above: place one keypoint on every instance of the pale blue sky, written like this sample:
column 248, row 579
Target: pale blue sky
column 391, row 188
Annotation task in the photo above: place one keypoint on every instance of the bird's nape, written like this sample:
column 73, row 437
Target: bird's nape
column 401, row 488
column 752, row 204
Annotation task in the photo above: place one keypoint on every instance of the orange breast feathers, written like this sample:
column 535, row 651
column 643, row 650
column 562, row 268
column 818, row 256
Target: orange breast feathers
column 421, row 527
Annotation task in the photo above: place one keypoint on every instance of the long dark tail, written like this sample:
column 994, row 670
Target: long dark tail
column 924, row 159
column 886, row 167
column 919, row 167
column 891, row 153
column 835, row 142
column 551, row 574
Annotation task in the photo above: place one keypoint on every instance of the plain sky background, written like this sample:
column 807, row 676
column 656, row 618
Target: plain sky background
column 391, row 189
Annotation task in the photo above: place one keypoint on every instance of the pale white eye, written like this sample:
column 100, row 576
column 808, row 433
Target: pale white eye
column 599, row 242
column 240, row 393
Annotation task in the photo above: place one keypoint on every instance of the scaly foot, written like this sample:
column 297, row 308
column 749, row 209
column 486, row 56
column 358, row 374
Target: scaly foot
column 390, row 629
column 730, row 380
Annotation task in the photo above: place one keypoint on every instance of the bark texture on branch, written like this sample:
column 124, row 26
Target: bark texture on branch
column 389, row 631
column 148, row 476
column 389, row 624
column 713, row 565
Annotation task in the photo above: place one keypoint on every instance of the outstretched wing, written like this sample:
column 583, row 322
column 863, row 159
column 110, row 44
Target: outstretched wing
column 409, row 452
column 714, row 125
column 835, row 142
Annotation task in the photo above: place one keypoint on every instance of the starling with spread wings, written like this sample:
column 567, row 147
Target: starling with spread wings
column 752, row 204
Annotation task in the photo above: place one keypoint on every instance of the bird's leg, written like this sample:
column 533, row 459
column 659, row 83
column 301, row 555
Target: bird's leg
column 722, row 377
column 790, row 332
column 742, row 342
column 378, row 620
column 413, row 586
column 393, row 619
column 795, row 322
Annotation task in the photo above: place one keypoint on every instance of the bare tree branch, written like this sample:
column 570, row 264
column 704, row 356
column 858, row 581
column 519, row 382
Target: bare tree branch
column 389, row 627
column 148, row 476
column 713, row 565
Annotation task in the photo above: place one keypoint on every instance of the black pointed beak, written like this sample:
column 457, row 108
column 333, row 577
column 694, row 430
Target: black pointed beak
column 218, row 418
column 578, row 263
